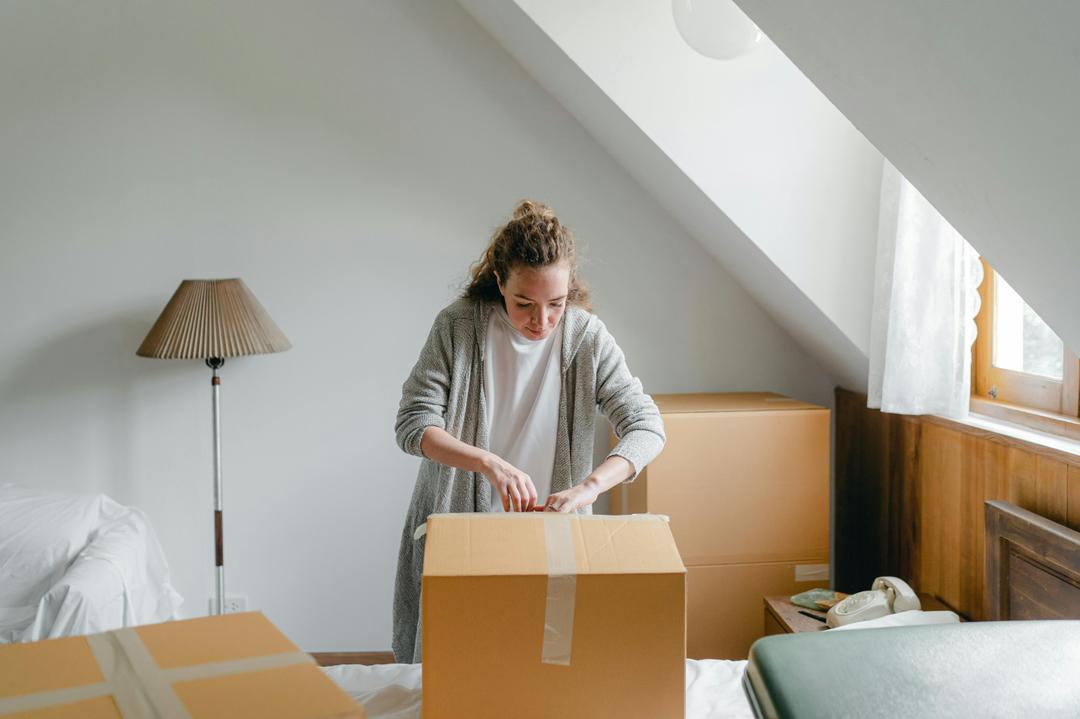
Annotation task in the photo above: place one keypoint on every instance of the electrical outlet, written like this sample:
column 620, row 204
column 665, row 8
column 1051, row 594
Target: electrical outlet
column 232, row 605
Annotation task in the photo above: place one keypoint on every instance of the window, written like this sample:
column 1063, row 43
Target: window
column 1018, row 360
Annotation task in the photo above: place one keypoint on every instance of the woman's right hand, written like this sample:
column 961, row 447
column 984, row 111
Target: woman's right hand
column 515, row 488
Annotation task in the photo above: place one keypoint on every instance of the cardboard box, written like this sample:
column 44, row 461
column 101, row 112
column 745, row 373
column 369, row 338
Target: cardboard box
column 235, row 665
column 724, row 604
column 552, row 615
column 744, row 478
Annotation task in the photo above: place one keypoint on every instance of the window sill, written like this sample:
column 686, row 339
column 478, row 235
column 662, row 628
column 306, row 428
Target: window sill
column 1059, row 425
column 1037, row 438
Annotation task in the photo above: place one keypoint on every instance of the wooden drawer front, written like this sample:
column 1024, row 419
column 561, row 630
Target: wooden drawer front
column 772, row 626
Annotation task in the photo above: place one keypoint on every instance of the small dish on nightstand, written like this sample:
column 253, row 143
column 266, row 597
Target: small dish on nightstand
column 784, row 617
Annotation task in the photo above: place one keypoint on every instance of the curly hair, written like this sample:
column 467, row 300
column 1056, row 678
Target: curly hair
column 533, row 237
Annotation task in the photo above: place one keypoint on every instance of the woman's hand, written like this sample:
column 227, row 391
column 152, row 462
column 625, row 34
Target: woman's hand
column 610, row 472
column 576, row 497
column 515, row 488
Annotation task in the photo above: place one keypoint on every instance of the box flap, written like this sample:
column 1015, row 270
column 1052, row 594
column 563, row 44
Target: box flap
column 486, row 544
column 729, row 402
column 46, row 665
column 293, row 691
column 219, row 638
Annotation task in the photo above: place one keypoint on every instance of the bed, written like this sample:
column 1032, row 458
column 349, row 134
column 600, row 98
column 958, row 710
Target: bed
column 74, row 563
column 900, row 664
column 714, row 687
column 392, row 691
column 1032, row 565
column 1002, row 668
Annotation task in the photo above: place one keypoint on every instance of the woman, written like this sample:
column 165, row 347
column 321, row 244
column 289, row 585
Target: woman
column 502, row 403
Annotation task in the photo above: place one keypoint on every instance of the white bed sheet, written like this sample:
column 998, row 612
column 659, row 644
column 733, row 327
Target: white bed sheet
column 713, row 686
column 74, row 563
column 392, row 691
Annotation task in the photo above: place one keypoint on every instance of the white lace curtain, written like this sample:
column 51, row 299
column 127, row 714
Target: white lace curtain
column 925, row 301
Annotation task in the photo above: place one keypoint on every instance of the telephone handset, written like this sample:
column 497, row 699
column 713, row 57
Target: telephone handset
column 887, row 595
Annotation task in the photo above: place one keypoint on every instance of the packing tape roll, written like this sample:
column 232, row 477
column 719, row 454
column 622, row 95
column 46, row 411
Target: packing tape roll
column 561, row 590
column 138, row 686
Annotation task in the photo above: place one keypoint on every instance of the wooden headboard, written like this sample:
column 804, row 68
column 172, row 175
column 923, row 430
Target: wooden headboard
column 1032, row 565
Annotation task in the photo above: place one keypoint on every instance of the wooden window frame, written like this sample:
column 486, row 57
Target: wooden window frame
column 1037, row 402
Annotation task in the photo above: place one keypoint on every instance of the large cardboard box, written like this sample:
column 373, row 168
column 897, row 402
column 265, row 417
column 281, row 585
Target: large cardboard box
column 744, row 478
column 552, row 615
column 724, row 604
column 236, row 665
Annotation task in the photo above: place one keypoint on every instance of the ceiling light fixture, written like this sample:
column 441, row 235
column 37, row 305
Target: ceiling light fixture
column 715, row 28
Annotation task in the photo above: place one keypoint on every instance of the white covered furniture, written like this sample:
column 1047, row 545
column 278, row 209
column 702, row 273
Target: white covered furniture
column 75, row 564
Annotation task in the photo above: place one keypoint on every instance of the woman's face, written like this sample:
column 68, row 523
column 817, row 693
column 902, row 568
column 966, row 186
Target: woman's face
column 535, row 298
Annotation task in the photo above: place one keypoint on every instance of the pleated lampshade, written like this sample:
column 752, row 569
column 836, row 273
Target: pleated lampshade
column 212, row 318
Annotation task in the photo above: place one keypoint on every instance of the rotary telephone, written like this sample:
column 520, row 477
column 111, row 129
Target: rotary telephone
column 887, row 595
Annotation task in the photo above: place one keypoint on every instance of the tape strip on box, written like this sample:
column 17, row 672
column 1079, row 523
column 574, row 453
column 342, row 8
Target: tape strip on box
column 561, row 590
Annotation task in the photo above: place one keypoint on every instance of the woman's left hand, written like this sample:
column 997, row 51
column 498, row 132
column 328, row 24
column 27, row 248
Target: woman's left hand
column 572, row 499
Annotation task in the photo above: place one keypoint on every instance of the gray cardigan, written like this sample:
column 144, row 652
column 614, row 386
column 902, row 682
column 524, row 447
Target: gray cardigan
column 445, row 389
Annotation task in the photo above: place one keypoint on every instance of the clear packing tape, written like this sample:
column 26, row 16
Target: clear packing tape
column 138, row 686
column 562, row 574
column 561, row 590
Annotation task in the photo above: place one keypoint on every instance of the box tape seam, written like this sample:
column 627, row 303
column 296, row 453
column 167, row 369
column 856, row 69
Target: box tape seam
column 561, row 590
column 40, row 700
column 157, row 689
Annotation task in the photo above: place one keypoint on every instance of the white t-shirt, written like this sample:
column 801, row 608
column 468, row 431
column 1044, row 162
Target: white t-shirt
column 522, row 384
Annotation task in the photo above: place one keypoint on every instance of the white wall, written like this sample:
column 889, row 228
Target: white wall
column 976, row 102
column 348, row 160
column 748, row 156
column 756, row 135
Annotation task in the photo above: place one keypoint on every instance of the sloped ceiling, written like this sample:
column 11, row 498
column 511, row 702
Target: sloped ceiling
column 977, row 103
column 775, row 183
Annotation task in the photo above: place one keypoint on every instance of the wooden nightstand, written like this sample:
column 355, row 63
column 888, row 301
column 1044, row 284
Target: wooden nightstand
column 782, row 617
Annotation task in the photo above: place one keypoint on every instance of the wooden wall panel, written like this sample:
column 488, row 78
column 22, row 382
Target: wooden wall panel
column 1020, row 478
column 1072, row 514
column 969, row 521
column 863, row 443
column 906, row 513
column 1051, row 488
column 910, row 493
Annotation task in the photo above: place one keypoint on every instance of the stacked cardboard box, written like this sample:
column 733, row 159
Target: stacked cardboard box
column 744, row 479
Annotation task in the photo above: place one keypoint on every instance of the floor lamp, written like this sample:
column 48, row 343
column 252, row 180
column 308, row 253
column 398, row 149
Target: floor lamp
column 211, row 320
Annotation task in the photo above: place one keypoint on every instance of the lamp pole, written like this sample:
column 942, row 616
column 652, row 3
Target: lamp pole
column 216, row 363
